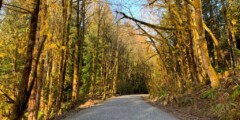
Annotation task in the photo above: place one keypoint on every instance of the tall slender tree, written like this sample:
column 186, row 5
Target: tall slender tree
column 24, row 90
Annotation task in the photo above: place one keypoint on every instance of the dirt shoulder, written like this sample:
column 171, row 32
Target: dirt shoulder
column 88, row 104
column 182, row 113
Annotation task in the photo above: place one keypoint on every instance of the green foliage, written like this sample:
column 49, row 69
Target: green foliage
column 163, row 94
column 236, row 92
column 65, row 106
column 226, row 111
column 40, row 115
column 236, row 51
column 219, row 108
column 209, row 94
column 220, row 69
column 184, row 101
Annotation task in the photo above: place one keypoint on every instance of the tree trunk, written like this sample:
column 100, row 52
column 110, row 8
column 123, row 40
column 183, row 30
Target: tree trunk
column 103, row 71
column 1, row 2
column 32, row 103
column 95, row 54
column 39, row 88
column 203, row 45
column 64, row 53
column 76, row 70
column 115, row 77
column 22, row 97
column 192, row 41
column 49, row 85
column 229, row 34
column 33, row 84
column 83, row 15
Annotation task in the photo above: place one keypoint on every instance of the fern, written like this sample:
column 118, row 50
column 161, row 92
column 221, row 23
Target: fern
column 209, row 94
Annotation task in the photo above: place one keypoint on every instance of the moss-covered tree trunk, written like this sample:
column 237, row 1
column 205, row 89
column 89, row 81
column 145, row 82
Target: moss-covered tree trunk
column 203, row 45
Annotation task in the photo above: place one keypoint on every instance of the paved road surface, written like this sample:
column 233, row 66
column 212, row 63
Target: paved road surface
column 129, row 107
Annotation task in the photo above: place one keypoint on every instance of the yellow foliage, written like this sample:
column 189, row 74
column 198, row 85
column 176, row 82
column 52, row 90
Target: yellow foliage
column 64, row 47
column 234, row 21
column 2, row 55
column 49, row 35
column 53, row 45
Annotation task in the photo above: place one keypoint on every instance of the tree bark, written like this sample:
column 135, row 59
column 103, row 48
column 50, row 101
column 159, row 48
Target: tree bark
column 77, row 64
column 66, row 4
column 22, row 97
column 203, row 45
column 1, row 2
column 115, row 78
column 229, row 34
column 96, row 52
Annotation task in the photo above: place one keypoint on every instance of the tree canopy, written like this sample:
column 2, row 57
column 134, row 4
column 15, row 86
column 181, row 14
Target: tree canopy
column 57, row 54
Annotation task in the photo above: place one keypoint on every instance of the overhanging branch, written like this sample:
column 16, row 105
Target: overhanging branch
column 148, row 24
column 13, row 6
column 152, row 37
column 152, row 2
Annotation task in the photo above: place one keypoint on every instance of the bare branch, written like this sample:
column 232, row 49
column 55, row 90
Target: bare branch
column 150, row 57
column 145, row 33
column 26, row 11
column 16, row 10
column 148, row 24
column 10, row 100
column 152, row 2
column 153, row 42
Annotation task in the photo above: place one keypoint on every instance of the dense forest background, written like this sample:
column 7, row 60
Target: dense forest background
column 56, row 54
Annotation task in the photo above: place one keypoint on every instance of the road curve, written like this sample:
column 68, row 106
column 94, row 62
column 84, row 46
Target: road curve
column 129, row 107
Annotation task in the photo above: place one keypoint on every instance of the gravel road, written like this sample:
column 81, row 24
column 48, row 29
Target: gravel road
column 129, row 107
